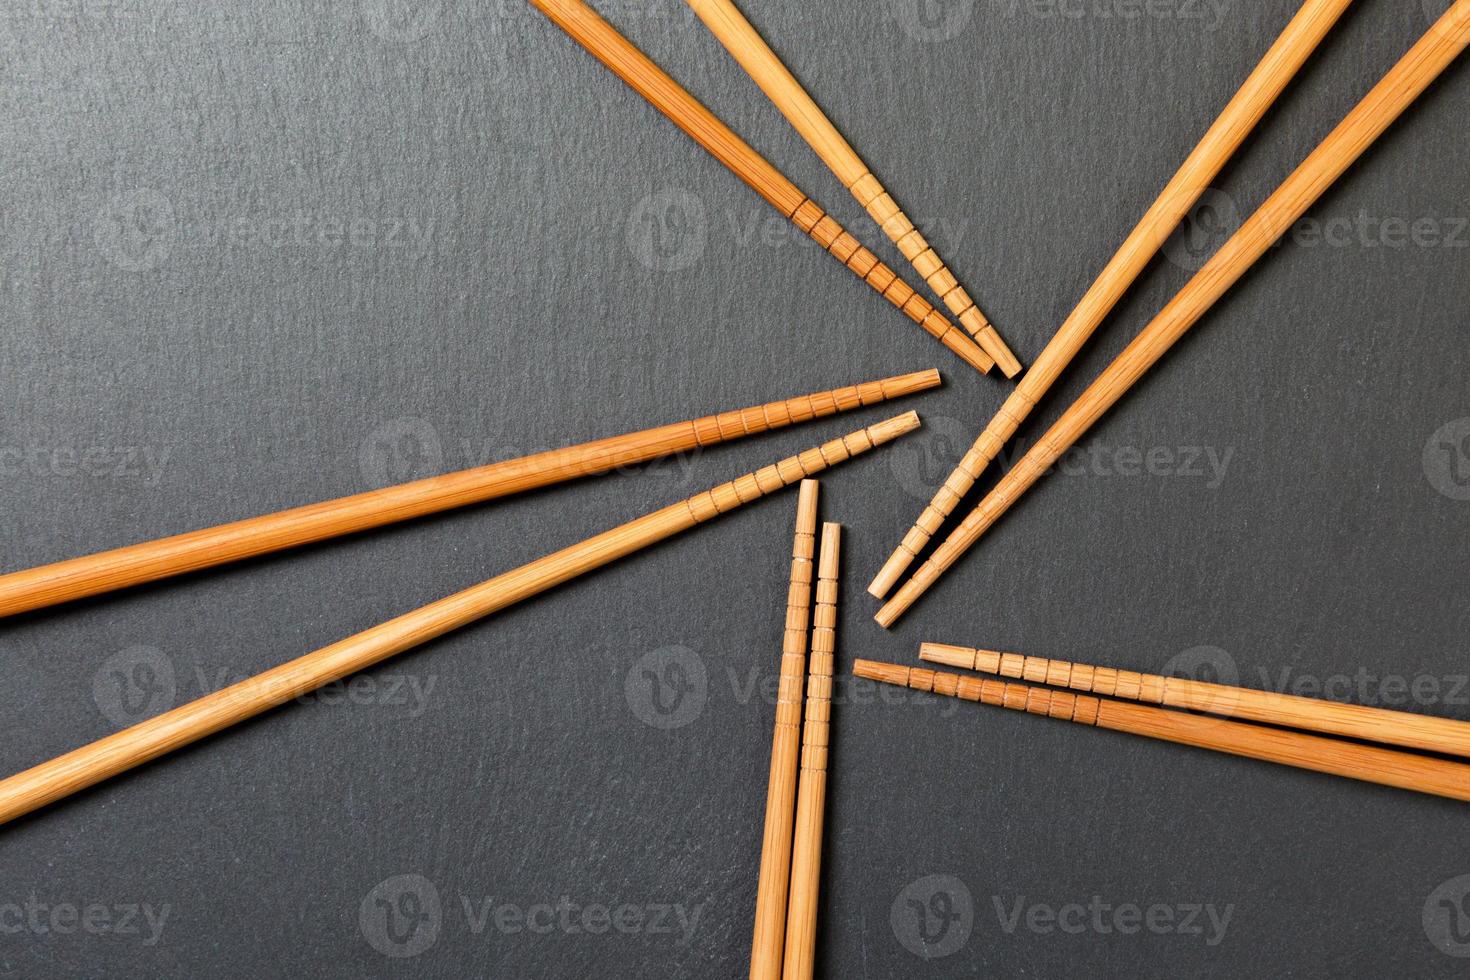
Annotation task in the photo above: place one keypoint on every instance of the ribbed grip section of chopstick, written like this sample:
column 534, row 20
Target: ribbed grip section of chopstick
column 959, row 483
column 896, row 225
column 826, row 232
column 798, row 609
column 603, row 42
column 1410, row 730
column 714, row 429
column 824, row 645
column 1388, row 767
column 1058, row 673
column 1017, row 697
column 768, row 938
column 811, row 800
column 771, row 478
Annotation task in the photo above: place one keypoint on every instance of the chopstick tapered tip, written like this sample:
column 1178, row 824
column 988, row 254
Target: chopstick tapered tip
column 883, row 673
column 905, row 597
column 908, row 384
column 889, row 574
column 949, row 656
column 890, row 429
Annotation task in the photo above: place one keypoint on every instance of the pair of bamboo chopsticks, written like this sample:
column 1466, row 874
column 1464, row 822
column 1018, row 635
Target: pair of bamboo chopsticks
column 785, row 936
column 767, row 70
column 1368, row 763
column 36, row 787
column 1332, row 157
column 603, row 42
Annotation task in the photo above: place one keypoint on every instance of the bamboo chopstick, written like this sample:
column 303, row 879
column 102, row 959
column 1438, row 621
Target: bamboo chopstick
column 107, row 571
column 91, row 764
column 1332, row 157
column 605, row 44
column 1289, row 710
column 766, row 69
column 1259, row 91
column 811, row 799
column 1368, row 763
column 775, row 869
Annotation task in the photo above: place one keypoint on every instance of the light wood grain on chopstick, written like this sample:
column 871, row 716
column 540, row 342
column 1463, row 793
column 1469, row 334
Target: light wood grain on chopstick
column 1387, row 767
column 605, row 44
column 150, row 561
column 773, row 882
column 107, row 757
column 1332, row 157
column 1382, row 725
column 767, row 70
column 1260, row 90
column 811, row 797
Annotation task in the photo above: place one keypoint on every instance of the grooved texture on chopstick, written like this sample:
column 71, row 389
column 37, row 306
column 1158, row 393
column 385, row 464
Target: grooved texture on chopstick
column 1240, row 116
column 1367, row 763
column 1344, row 145
column 150, row 561
column 767, row 70
column 775, row 867
column 1354, row 721
column 604, row 43
column 811, row 799
column 188, row 723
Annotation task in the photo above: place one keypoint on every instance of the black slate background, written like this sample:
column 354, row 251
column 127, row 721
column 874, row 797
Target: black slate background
column 145, row 143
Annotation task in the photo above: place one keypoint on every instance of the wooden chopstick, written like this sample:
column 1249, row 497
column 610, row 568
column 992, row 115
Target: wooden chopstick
column 1371, row 764
column 107, row 571
column 605, row 44
column 775, row 869
column 91, row 764
column 1259, row 91
column 1381, row 725
column 1332, row 157
column 766, row 69
column 811, row 799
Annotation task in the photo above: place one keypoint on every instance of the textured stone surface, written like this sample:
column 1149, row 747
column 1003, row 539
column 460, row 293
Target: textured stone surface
column 266, row 253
